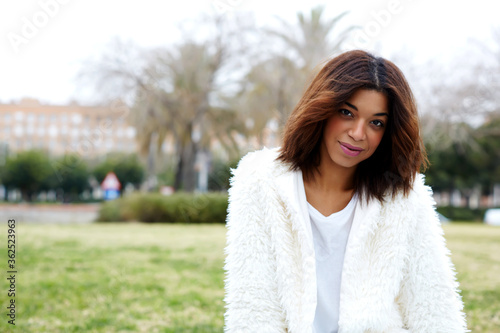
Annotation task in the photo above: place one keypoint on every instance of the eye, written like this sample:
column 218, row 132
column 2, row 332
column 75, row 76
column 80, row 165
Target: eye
column 378, row 123
column 345, row 112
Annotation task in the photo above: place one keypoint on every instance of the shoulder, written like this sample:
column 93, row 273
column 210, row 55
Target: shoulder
column 259, row 164
column 419, row 187
column 410, row 207
column 418, row 194
column 421, row 195
column 256, row 180
column 253, row 187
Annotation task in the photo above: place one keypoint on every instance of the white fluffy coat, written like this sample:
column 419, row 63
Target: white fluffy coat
column 397, row 274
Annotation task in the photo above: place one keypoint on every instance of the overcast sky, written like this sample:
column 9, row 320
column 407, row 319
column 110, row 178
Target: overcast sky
column 44, row 42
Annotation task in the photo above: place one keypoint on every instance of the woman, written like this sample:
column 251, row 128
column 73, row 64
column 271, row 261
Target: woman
column 335, row 231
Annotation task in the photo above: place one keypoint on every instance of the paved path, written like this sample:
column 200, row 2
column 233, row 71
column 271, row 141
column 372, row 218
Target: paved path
column 51, row 213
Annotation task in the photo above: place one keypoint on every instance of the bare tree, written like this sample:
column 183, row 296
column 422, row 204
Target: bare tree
column 172, row 92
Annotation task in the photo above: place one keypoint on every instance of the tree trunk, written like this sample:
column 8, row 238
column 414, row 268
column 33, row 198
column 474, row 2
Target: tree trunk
column 188, row 173
column 25, row 195
column 178, row 171
column 153, row 148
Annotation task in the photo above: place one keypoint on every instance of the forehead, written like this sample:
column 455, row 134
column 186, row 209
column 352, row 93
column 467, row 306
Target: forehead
column 369, row 100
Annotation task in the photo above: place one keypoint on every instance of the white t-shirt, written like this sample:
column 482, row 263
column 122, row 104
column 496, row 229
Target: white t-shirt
column 330, row 234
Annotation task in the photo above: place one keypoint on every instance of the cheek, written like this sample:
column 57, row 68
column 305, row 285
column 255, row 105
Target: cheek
column 334, row 127
column 375, row 140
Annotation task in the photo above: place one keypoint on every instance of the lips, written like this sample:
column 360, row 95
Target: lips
column 349, row 149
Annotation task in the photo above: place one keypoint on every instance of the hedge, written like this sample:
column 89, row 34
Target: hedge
column 207, row 208
column 155, row 207
column 462, row 213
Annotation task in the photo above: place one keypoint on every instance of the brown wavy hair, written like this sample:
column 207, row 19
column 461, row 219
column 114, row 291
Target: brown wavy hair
column 401, row 153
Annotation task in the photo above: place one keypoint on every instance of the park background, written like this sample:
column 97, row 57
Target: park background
column 169, row 96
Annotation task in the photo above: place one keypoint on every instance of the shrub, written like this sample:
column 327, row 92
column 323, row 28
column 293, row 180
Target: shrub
column 211, row 207
column 109, row 211
column 462, row 213
column 179, row 207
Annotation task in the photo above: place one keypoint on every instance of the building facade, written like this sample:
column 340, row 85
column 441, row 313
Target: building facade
column 87, row 130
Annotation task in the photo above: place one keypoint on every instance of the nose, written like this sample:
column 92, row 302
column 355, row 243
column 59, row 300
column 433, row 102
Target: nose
column 357, row 131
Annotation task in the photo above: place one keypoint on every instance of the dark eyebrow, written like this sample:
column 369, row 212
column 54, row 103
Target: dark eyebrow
column 352, row 106
column 377, row 114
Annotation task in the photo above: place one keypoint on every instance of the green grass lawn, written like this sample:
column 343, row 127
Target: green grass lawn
column 169, row 278
column 476, row 253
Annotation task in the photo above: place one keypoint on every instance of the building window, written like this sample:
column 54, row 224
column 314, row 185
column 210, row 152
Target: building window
column 19, row 116
column 96, row 137
column 18, row 130
column 31, row 117
column 41, row 118
column 53, row 131
column 6, row 117
column 76, row 119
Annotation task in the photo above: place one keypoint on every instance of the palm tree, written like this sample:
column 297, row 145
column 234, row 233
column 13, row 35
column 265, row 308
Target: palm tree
column 311, row 39
column 274, row 84
column 270, row 90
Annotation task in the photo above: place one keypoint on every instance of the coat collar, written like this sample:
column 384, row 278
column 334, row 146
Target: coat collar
column 290, row 187
column 299, row 297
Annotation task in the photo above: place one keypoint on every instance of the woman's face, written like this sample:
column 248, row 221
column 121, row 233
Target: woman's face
column 354, row 132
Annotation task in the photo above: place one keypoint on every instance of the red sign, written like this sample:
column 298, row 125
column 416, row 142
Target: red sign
column 111, row 182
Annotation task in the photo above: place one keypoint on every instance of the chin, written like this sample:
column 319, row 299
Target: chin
column 351, row 162
column 347, row 164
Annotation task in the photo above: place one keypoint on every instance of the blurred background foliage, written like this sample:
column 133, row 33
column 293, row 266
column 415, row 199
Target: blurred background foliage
column 230, row 90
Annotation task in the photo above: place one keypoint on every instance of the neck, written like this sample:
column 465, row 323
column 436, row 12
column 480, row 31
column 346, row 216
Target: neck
column 332, row 178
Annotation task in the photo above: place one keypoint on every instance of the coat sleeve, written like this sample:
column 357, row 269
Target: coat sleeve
column 252, row 303
column 429, row 297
